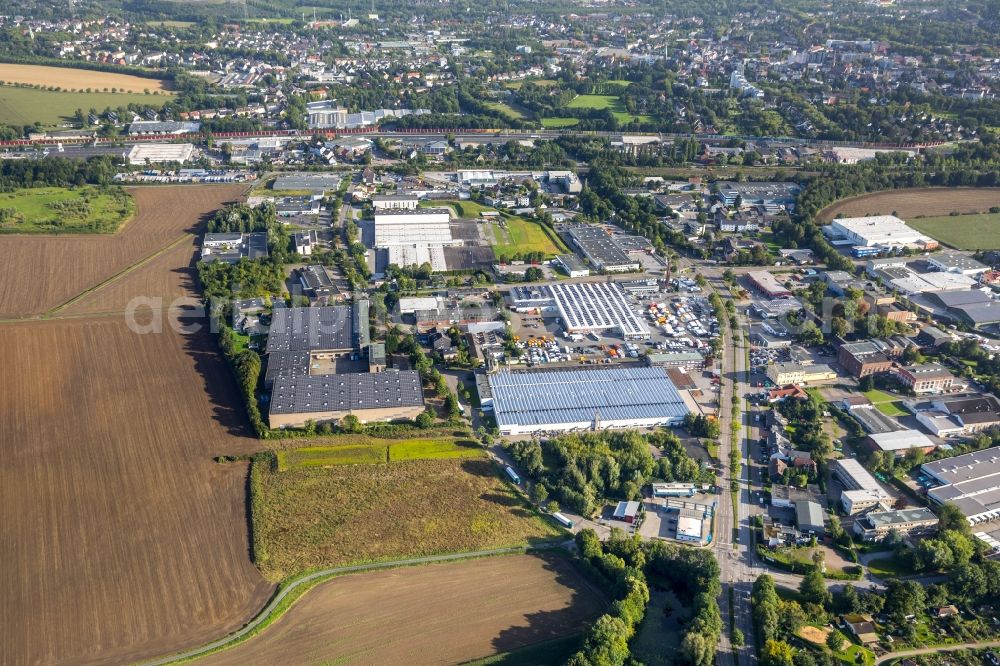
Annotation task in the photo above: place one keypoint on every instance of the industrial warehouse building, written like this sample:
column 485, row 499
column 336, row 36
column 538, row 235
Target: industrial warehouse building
column 768, row 285
column 861, row 491
column 411, row 237
column 602, row 250
column 598, row 306
column 377, row 396
column 154, row 153
column 876, row 525
column 783, row 374
column 971, row 482
column 884, row 232
column 596, row 399
column 231, row 247
column 321, row 367
column 406, row 227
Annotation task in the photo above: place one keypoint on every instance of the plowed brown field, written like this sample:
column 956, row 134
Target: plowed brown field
column 433, row 614
column 925, row 202
column 122, row 539
column 43, row 272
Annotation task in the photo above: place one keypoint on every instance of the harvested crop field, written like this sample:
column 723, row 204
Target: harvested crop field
column 907, row 204
column 69, row 78
column 432, row 614
column 44, row 272
column 311, row 517
column 124, row 540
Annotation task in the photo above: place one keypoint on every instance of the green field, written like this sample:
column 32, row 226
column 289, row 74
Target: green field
column 308, row 517
column 26, row 106
column 463, row 209
column 506, row 110
column 520, row 236
column 601, row 102
column 376, row 451
column 886, row 403
column 557, row 123
column 964, row 232
column 889, row 567
column 65, row 210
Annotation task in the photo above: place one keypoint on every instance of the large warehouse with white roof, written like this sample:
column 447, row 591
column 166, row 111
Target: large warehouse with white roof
column 881, row 231
column 971, row 482
column 565, row 400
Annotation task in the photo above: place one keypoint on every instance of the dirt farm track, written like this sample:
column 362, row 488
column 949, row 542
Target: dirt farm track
column 433, row 614
column 123, row 540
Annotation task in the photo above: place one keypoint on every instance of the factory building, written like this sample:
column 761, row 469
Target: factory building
column 584, row 400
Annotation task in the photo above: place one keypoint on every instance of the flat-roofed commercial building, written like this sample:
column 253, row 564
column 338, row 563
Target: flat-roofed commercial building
column 876, row 525
column 881, row 231
column 956, row 262
column 583, row 400
column 809, row 517
column 971, row 482
column 783, row 374
column 598, row 306
column 861, row 490
column 395, row 202
column 601, row 250
column 155, row 153
column 767, row 284
column 425, row 226
column 898, row 442
column 378, row 396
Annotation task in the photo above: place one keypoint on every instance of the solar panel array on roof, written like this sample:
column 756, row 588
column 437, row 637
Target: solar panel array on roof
column 597, row 306
column 296, row 329
column 548, row 400
column 355, row 391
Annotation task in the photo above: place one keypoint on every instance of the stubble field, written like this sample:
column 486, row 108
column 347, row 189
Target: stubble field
column 44, row 272
column 123, row 540
column 907, row 204
column 433, row 614
column 69, row 78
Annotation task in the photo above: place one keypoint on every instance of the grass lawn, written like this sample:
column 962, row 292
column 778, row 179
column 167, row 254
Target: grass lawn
column 877, row 396
column 367, row 451
column 465, row 209
column 557, row 123
column 889, row 567
column 965, row 232
column 309, row 517
column 506, row 110
column 892, row 408
column 521, row 236
column 543, row 83
column 65, row 210
column 601, row 102
column 850, row 654
column 25, row 106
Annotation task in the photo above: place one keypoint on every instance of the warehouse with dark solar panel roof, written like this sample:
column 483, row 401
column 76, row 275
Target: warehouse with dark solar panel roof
column 581, row 400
